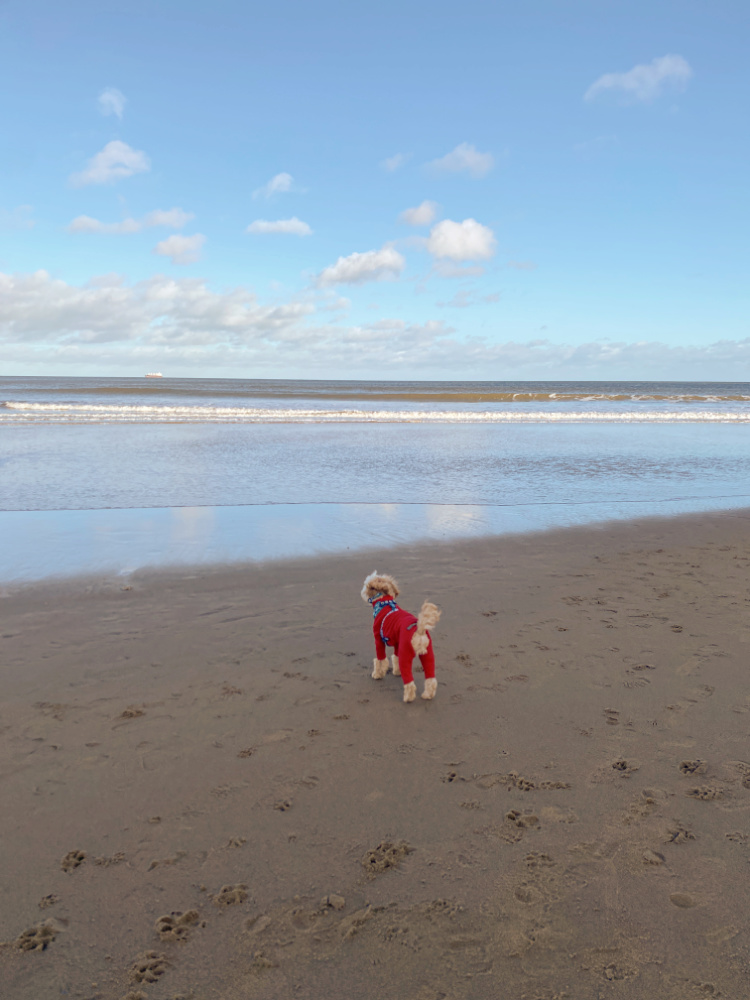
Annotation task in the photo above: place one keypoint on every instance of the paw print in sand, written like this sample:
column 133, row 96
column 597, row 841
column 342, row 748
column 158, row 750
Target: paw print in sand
column 149, row 967
column 73, row 859
column 36, row 938
column 175, row 926
column 386, row 855
column 230, row 895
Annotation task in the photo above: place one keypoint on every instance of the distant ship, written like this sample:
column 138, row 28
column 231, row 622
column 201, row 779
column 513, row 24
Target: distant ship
column 154, row 375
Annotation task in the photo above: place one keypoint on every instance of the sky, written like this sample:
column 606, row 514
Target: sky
column 553, row 189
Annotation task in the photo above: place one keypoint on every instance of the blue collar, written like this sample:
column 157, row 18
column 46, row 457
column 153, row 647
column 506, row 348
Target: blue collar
column 381, row 601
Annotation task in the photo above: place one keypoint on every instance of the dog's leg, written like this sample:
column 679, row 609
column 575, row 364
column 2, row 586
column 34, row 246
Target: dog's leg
column 379, row 668
column 410, row 692
column 430, row 688
column 396, row 667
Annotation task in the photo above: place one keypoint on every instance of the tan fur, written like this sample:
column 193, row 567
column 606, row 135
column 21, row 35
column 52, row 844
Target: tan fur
column 396, row 667
column 379, row 668
column 430, row 689
column 410, row 692
column 379, row 583
column 428, row 618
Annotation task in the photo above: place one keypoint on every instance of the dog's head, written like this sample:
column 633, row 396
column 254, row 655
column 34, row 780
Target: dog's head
column 379, row 583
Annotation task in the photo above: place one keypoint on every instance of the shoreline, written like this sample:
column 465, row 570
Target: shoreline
column 571, row 813
column 309, row 540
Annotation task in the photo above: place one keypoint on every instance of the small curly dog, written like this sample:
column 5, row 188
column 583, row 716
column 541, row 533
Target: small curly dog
column 407, row 634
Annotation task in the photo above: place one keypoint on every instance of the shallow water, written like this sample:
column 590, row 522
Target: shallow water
column 103, row 494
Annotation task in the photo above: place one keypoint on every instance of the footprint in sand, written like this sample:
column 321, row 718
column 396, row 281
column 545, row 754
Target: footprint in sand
column 107, row 862
column 693, row 766
column 230, row 895
column 131, row 712
column 737, row 837
column 148, row 968
column 516, row 824
column 682, row 899
column 386, row 855
column 73, row 859
column 229, row 689
column 36, row 938
column 705, row 793
column 653, row 858
column 46, row 901
column 159, row 862
column 612, row 716
column 625, row 767
column 175, row 926
column 642, row 806
column 678, row 834
column 616, row 973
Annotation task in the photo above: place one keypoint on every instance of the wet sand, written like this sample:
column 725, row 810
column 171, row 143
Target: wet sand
column 205, row 795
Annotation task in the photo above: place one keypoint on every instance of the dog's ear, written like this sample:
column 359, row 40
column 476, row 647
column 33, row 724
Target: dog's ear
column 388, row 585
column 367, row 589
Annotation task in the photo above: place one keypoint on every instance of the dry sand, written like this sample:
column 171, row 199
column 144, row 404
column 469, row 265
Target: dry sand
column 200, row 780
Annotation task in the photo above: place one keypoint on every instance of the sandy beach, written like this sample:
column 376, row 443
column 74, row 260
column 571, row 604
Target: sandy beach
column 205, row 795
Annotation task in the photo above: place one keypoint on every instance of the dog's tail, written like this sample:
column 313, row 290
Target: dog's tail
column 428, row 618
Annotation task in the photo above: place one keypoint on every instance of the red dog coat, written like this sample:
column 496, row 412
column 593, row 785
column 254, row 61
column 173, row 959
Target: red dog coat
column 395, row 627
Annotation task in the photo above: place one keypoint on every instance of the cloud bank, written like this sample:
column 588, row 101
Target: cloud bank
column 111, row 325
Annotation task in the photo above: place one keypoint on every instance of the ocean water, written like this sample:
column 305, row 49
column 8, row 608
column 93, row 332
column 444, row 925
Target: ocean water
column 115, row 474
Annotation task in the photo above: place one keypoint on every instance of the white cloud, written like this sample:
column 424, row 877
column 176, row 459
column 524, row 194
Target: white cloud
column 159, row 311
column 181, row 249
column 393, row 163
column 17, row 218
column 644, row 82
column 465, row 159
column 112, row 102
column 460, row 241
column 357, row 268
column 279, row 184
column 292, row 227
column 173, row 323
column 116, row 161
column 175, row 218
column 422, row 215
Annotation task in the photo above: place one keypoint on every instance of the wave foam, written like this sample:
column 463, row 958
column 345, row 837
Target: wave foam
column 90, row 413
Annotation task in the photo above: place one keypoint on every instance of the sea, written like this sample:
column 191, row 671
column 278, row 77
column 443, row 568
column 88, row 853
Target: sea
column 111, row 475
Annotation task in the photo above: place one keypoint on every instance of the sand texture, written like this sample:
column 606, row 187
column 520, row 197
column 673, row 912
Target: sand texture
column 206, row 796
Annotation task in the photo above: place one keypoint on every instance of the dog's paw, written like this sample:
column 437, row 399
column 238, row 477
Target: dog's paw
column 395, row 666
column 379, row 668
column 430, row 689
column 410, row 692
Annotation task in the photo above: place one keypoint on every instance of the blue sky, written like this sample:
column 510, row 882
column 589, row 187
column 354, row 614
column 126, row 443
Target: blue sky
column 553, row 189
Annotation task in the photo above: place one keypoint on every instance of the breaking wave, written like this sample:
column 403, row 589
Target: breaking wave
column 19, row 412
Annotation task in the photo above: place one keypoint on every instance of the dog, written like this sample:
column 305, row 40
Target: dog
column 407, row 634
